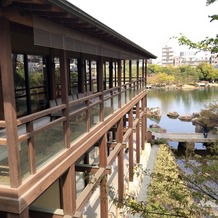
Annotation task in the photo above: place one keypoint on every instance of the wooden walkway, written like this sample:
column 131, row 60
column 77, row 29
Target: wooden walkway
column 186, row 137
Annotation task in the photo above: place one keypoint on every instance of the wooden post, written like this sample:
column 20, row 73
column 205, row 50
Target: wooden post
column 143, row 69
column 146, row 71
column 51, row 75
column 130, row 71
column 111, row 74
column 31, row 149
column 145, row 118
column 9, row 103
column 131, row 164
column 137, row 136
column 143, row 124
column 137, row 74
column 119, row 83
column 81, row 79
column 2, row 117
column 64, row 95
column 120, row 161
column 124, row 71
column 101, row 85
column 103, row 182
column 68, row 184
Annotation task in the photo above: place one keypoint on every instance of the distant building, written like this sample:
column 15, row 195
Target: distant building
column 191, row 57
column 167, row 56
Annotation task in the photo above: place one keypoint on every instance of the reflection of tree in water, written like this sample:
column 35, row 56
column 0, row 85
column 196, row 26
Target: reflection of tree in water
column 182, row 98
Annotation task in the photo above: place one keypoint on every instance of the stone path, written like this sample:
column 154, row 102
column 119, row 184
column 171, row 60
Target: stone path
column 147, row 179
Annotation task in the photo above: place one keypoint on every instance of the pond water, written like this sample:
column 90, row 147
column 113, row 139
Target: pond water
column 183, row 102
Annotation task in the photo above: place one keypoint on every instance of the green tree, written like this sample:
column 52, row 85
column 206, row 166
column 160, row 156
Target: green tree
column 207, row 72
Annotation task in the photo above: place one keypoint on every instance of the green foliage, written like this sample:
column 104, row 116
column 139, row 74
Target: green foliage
column 19, row 75
column 207, row 72
column 174, row 75
column 209, row 115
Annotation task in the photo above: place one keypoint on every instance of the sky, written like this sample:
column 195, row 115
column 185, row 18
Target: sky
column 151, row 23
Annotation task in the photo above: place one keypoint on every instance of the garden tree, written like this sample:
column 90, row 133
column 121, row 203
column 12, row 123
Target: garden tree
column 163, row 78
column 187, row 75
column 207, row 72
column 154, row 69
column 209, row 116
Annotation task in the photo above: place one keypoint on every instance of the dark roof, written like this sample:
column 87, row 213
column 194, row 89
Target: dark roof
column 67, row 14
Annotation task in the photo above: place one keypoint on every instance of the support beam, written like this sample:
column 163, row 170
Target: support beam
column 81, row 76
column 131, row 167
column 143, row 124
column 120, row 161
column 111, row 74
column 64, row 95
column 100, row 85
column 137, row 136
column 103, row 182
column 9, row 103
column 119, row 83
column 68, row 183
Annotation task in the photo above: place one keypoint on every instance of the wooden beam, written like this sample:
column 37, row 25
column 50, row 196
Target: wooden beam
column 68, row 183
column 143, row 124
column 137, row 135
column 130, row 120
column 88, row 190
column 90, row 169
column 120, row 161
column 64, row 95
column 9, row 103
column 103, row 182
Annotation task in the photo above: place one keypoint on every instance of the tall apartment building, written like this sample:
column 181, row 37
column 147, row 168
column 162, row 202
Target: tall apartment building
column 167, row 56
column 191, row 57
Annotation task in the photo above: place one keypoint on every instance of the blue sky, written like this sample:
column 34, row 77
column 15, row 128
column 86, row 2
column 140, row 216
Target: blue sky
column 150, row 24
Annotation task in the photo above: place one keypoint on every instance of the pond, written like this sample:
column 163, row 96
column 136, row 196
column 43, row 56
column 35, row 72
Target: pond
column 182, row 101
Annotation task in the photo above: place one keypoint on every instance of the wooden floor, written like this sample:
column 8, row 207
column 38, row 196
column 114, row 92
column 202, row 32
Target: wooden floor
column 186, row 137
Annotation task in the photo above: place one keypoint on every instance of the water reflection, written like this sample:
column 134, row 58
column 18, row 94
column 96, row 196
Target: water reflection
column 181, row 101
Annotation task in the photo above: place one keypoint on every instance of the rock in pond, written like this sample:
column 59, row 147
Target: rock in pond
column 173, row 114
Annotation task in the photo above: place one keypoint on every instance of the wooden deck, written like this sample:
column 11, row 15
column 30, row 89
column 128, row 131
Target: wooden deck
column 186, row 137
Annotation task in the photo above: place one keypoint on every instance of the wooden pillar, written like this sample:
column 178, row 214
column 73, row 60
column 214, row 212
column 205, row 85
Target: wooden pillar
column 81, row 76
column 146, row 71
column 68, row 185
column 120, row 161
column 111, row 74
column 130, row 71
column 2, row 117
column 64, row 95
column 119, row 83
column 131, row 164
column 137, row 136
column 103, row 182
column 124, row 71
column 143, row 72
column 137, row 74
column 9, row 103
column 101, row 85
column 146, row 128
column 143, row 133
column 51, row 75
